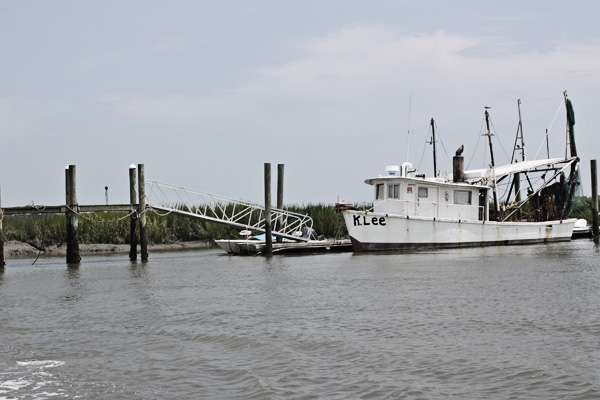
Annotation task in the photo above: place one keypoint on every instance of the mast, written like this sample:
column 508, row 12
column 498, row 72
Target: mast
column 489, row 135
column 434, row 154
column 574, row 183
column 519, row 135
column 517, row 177
column 570, row 127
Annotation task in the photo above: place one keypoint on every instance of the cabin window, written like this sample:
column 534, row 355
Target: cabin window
column 379, row 191
column 462, row 197
column 393, row 191
column 423, row 192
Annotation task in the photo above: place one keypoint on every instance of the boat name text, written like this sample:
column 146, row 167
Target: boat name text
column 366, row 221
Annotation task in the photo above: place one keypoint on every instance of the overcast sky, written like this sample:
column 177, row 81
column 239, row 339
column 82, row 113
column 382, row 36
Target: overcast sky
column 205, row 92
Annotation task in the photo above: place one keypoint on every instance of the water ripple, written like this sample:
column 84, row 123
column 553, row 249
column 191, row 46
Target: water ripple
column 513, row 322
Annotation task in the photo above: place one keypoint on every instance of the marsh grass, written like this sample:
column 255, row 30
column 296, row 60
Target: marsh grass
column 325, row 220
column 582, row 208
column 38, row 231
column 113, row 227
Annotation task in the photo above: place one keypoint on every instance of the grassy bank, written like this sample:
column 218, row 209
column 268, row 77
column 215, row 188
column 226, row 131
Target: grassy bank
column 113, row 227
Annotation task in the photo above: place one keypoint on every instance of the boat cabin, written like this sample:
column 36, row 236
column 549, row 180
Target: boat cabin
column 400, row 194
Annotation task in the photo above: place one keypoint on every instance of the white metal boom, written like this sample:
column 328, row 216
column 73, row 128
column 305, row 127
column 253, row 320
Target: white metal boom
column 224, row 210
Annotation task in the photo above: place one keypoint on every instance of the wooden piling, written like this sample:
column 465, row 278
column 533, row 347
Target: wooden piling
column 280, row 169
column 594, row 198
column 268, row 239
column 142, row 212
column 2, row 262
column 134, row 215
column 73, row 256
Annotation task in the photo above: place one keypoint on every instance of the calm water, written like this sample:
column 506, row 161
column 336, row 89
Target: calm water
column 492, row 323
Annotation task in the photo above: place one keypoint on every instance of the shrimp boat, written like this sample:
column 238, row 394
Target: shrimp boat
column 464, row 210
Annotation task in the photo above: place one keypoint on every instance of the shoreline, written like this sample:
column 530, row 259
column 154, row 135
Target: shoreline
column 15, row 249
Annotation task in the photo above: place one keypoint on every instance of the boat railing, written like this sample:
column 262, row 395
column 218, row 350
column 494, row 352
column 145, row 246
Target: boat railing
column 224, row 210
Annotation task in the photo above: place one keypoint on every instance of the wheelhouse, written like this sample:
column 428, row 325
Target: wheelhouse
column 429, row 197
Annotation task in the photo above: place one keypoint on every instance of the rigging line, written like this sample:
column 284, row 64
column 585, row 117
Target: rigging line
column 476, row 144
column 498, row 140
column 549, row 128
column 485, row 149
column 562, row 101
column 423, row 153
column 440, row 137
column 506, row 187
column 540, row 148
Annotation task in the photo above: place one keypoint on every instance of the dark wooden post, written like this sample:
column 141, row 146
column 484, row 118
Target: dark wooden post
column 134, row 215
column 73, row 256
column 280, row 168
column 268, row 238
column 142, row 212
column 2, row 262
column 594, row 198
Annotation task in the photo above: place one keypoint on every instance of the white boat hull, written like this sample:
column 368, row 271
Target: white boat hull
column 374, row 231
column 242, row 246
column 230, row 246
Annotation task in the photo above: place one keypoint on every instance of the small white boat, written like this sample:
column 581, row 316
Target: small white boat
column 411, row 211
column 252, row 246
column 582, row 229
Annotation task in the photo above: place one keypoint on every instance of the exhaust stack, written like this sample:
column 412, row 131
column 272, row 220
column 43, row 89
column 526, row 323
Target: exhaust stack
column 458, row 166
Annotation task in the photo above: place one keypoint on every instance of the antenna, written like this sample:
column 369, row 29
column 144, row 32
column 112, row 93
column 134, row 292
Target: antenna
column 408, row 127
column 547, row 145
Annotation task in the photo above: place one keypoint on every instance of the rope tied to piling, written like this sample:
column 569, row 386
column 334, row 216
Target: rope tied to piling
column 42, row 247
column 143, row 212
column 157, row 213
column 39, row 208
column 82, row 215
